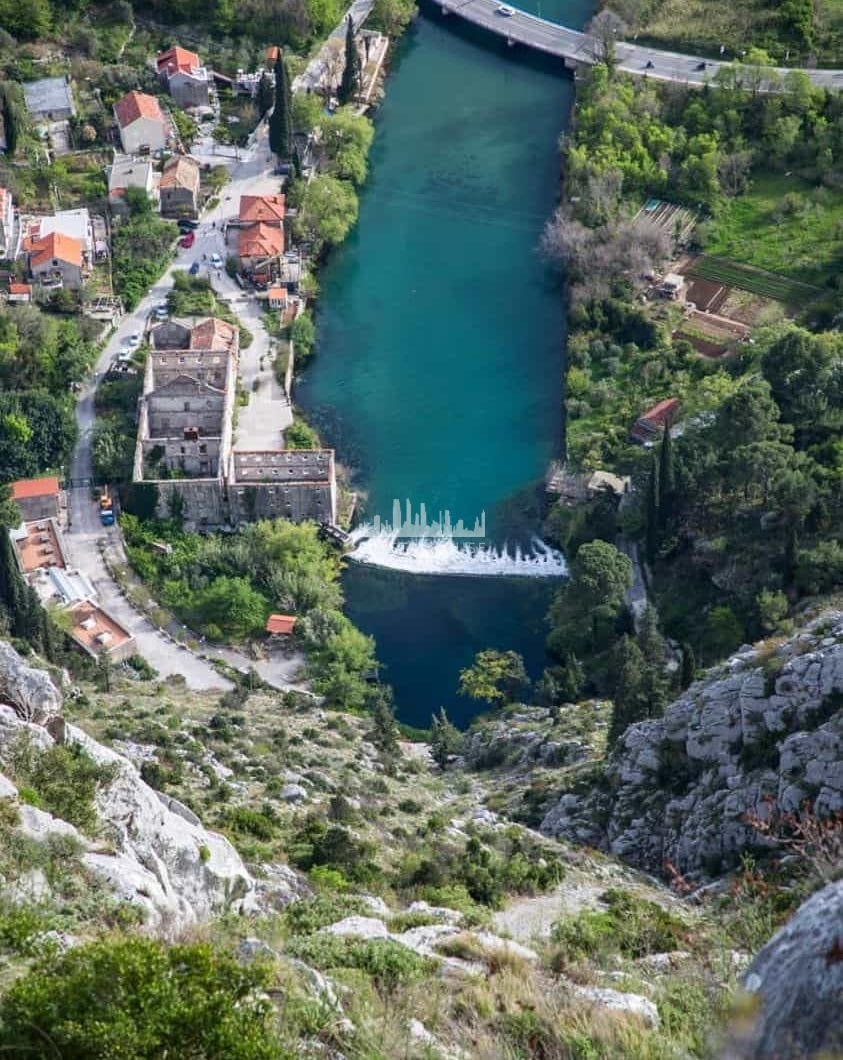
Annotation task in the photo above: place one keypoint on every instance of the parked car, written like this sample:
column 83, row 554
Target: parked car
column 505, row 10
column 133, row 341
column 162, row 311
column 187, row 240
column 216, row 261
column 194, row 268
column 186, row 223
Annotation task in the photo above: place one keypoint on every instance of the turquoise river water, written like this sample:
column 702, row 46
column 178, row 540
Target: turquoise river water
column 438, row 375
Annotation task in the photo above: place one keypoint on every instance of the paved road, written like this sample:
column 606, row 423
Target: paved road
column 262, row 420
column 554, row 39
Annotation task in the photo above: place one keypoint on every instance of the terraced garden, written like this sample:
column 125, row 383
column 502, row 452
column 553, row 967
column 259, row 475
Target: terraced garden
column 756, row 281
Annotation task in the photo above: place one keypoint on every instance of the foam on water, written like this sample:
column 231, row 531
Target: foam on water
column 444, row 555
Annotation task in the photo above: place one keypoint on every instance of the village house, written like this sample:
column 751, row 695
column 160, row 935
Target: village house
column 187, row 80
column 98, row 633
column 75, row 224
column 261, row 236
column 648, row 428
column 672, row 286
column 20, row 292
column 8, row 249
column 49, row 99
column 37, row 498
column 57, row 261
column 291, row 484
column 179, row 187
column 143, row 127
column 125, row 173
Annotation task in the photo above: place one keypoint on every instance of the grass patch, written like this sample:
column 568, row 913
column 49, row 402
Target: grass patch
column 782, row 224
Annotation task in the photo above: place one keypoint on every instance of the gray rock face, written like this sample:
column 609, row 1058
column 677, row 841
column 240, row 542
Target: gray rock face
column 29, row 691
column 798, row 978
column 763, row 726
column 506, row 742
column 161, row 857
column 630, row 1004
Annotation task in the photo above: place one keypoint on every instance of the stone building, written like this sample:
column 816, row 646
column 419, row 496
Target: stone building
column 179, row 187
column 187, row 80
column 185, row 448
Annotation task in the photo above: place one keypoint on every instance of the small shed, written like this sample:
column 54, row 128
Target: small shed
column 280, row 625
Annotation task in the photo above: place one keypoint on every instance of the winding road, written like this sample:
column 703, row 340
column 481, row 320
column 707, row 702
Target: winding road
column 85, row 539
column 574, row 47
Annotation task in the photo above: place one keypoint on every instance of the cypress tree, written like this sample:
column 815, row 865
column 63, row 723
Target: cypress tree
column 652, row 529
column 384, row 734
column 10, row 124
column 667, row 479
column 280, row 120
column 12, row 586
column 350, row 84
column 265, row 94
column 791, row 557
column 689, row 666
column 297, row 166
column 628, row 706
column 445, row 738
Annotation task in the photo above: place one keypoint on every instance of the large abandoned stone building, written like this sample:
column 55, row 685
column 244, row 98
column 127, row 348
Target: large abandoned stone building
column 185, row 447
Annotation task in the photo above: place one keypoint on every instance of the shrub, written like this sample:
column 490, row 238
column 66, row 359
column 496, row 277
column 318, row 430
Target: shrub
column 138, row 998
column 388, row 964
column 633, row 927
column 258, row 823
column 308, row 916
column 64, row 778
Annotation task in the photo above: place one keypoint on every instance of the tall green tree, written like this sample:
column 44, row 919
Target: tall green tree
column 280, row 120
column 495, row 676
column 651, row 543
column 384, row 734
column 584, row 610
column 445, row 738
column 628, row 694
column 667, row 479
column 350, row 83
column 265, row 95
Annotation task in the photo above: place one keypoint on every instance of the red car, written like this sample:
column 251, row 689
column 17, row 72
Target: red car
column 187, row 240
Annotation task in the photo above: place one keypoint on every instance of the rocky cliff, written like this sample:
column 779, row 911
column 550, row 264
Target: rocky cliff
column 765, row 727
column 148, row 849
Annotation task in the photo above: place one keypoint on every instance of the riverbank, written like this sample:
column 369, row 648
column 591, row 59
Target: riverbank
column 680, row 370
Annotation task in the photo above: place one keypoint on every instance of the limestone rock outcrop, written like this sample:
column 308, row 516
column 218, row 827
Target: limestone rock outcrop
column 765, row 727
column 798, row 979
column 150, row 850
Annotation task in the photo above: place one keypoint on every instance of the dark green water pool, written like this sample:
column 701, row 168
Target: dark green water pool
column 440, row 343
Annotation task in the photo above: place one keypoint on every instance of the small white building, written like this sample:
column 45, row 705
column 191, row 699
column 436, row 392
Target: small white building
column 125, row 173
column 76, row 224
column 7, row 225
column 143, row 127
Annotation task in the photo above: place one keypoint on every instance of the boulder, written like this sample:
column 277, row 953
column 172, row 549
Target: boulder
column 31, row 692
column 364, row 927
column 630, row 1004
column 798, row 980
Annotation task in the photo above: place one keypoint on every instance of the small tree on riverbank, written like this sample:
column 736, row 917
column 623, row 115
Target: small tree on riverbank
column 280, row 121
column 350, row 84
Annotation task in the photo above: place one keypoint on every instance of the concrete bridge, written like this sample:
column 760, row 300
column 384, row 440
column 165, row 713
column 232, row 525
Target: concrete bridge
column 575, row 48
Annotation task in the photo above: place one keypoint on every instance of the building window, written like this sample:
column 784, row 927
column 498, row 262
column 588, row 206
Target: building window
column 203, row 449
column 187, row 406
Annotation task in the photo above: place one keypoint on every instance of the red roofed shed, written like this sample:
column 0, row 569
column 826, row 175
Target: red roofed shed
column 649, row 425
column 280, row 624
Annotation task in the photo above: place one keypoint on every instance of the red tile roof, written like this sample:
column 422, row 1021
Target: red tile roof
column 272, row 53
column 20, row 288
column 212, row 334
column 35, row 487
column 177, row 58
column 280, row 623
column 180, row 172
column 266, row 208
column 261, row 241
column 58, row 247
column 136, row 105
column 662, row 413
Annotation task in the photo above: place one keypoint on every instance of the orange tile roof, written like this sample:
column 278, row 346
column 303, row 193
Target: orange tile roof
column 275, row 294
column 266, row 208
column 55, row 246
column 261, row 241
column 177, row 58
column 94, row 629
column 136, row 105
column 272, row 53
column 280, row 623
column 41, row 547
column 212, row 334
column 180, row 172
column 35, row 487
column 20, row 288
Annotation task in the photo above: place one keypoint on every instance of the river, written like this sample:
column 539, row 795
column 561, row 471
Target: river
column 440, row 342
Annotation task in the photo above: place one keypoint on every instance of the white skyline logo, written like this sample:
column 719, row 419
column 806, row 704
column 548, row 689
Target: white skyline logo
column 419, row 527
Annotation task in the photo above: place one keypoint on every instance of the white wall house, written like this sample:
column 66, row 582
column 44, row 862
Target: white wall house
column 143, row 127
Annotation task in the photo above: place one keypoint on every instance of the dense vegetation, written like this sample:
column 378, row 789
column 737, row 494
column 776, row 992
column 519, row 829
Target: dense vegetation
column 739, row 515
column 226, row 586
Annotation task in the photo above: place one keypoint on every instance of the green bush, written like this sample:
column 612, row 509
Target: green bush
column 630, row 926
column 388, row 964
column 308, row 916
column 64, row 779
column 140, row 999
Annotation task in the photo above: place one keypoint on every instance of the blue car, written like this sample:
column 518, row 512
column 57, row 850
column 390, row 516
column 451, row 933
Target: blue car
column 194, row 268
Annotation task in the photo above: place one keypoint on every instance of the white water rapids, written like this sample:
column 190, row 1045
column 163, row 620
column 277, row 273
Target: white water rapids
column 444, row 555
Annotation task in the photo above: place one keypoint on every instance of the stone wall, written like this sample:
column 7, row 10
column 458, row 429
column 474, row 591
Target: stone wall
column 286, row 500
column 203, row 502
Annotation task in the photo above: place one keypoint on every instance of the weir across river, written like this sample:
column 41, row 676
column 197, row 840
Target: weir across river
column 575, row 48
